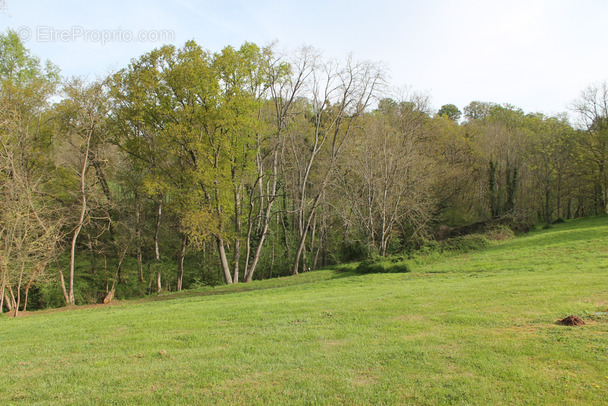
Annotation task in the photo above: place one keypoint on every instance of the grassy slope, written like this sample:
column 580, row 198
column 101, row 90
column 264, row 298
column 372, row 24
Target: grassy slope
column 477, row 328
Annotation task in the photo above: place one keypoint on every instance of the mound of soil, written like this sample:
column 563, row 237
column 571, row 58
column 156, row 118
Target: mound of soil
column 572, row 321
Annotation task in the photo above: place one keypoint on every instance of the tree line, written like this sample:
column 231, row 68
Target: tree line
column 191, row 168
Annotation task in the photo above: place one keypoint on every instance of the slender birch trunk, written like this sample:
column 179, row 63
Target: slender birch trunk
column 224, row 260
column 83, row 211
column 159, row 213
column 138, row 248
column 180, row 263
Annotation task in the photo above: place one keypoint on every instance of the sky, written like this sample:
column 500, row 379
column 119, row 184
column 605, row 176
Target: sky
column 534, row 54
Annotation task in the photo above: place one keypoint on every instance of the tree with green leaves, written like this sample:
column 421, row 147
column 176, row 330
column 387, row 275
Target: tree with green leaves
column 552, row 153
column 592, row 109
column 477, row 110
column 81, row 121
column 192, row 118
column 450, row 111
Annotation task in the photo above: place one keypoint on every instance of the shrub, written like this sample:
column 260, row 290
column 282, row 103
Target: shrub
column 500, row 232
column 377, row 264
column 430, row 246
column 520, row 223
column 465, row 243
column 354, row 250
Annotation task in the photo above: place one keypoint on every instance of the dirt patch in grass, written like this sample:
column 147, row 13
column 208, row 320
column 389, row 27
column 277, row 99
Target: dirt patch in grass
column 364, row 380
column 571, row 320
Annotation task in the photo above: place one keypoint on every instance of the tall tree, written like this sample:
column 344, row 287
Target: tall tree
column 339, row 95
column 592, row 109
column 387, row 176
column 82, row 114
column 450, row 111
column 29, row 221
column 285, row 85
column 552, row 149
column 201, row 111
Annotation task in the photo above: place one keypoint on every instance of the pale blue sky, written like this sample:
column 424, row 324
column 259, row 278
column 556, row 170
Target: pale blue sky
column 535, row 54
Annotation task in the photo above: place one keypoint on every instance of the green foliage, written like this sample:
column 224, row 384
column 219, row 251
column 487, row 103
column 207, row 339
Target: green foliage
column 450, row 111
column 499, row 233
column 477, row 110
column 492, row 191
column 465, row 243
column 355, row 250
column 215, row 139
column 22, row 69
column 460, row 244
column 377, row 264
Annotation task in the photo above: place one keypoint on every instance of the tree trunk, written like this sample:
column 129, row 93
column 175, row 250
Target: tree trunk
column 83, row 211
column 38, row 270
column 224, row 260
column 2, row 285
column 109, row 296
column 237, row 229
column 547, row 210
column 10, row 301
column 110, row 292
column 159, row 214
column 258, row 252
column 159, row 285
column 266, row 217
column 180, row 263
column 18, row 301
column 140, row 264
column 304, row 234
column 66, row 296
column 266, row 213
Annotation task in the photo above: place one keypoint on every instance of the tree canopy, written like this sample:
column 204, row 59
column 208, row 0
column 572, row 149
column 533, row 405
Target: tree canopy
column 191, row 167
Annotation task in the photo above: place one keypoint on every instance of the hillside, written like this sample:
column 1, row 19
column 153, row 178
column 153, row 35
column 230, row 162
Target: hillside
column 476, row 328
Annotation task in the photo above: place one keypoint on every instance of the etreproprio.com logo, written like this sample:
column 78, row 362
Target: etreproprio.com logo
column 100, row 36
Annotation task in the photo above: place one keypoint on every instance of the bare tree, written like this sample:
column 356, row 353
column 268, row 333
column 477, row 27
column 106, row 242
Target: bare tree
column 29, row 223
column 338, row 96
column 592, row 109
column 81, row 121
column 388, row 175
column 284, row 90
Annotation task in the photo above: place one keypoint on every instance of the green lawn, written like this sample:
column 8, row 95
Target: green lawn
column 478, row 328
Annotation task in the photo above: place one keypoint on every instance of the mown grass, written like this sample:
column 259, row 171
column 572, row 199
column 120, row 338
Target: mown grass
column 475, row 328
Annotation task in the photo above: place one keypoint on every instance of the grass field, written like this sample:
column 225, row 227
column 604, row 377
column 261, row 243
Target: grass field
column 477, row 328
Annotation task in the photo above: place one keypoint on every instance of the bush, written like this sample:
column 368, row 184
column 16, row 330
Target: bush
column 377, row 264
column 520, row 223
column 354, row 250
column 499, row 233
column 430, row 246
column 465, row 243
